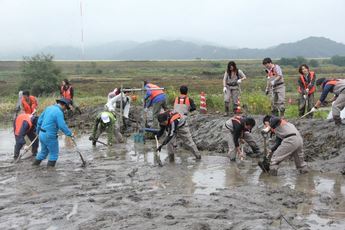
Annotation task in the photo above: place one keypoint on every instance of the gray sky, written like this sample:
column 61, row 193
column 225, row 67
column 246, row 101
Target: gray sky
column 232, row 23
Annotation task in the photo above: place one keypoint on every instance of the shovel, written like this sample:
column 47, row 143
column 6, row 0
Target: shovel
column 21, row 155
column 157, row 157
column 81, row 155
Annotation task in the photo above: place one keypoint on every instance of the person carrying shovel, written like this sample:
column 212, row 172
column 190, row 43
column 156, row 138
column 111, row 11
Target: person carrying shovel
column 25, row 125
column 105, row 121
column 306, row 88
column 238, row 128
column 177, row 127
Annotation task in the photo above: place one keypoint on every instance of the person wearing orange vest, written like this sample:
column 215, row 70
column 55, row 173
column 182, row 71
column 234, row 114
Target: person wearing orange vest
column 233, row 77
column 156, row 99
column 336, row 86
column 67, row 92
column 239, row 128
column 275, row 84
column 177, row 127
column 184, row 104
column 25, row 125
column 28, row 103
column 289, row 142
column 306, row 88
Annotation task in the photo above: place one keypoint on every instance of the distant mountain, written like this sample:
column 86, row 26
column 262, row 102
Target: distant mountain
column 312, row 47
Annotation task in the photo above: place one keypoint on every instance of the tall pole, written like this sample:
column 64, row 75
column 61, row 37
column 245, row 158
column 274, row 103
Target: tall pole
column 82, row 30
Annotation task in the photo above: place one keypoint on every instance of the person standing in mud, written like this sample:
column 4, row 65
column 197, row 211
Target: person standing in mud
column 238, row 129
column 67, row 92
column 49, row 123
column 105, row 121
column 289, row 142
column 306, row 89
column 156, row 99
column 231, row 87
column 336, row 86
column 184, row 104
column 275, row 84
column 176, row 126
column 25, row 125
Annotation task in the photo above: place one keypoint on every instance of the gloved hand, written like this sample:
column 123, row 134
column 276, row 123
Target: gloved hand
column 314, row 109
column 26, row 148
column 91, row 138
column 159, row 148
column 273, row 82
column 72, row 137
column 265, row 130
column 307, row 90
column 33, row 112
column 305, row 96
column 239, row 81
column 224, row 90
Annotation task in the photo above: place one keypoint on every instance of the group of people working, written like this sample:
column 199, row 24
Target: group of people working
column 236, row 129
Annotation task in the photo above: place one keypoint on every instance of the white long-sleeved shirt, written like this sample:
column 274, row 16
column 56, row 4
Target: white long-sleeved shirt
column 111, row 104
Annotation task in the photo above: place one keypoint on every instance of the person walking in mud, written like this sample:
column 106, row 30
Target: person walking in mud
column 25, row 125
column 156, row 99
column 306, row 89
column 275, row 84
column 49, row 123
column 106, row 121
column 67, row 92
column 231, row 87
column 177, row 127
column 184, row 104
column 336, row 86
column 238, row 129
column 289, row 142
column 115, row 103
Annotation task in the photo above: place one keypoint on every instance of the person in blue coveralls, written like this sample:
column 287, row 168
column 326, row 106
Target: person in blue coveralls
column 49, row 123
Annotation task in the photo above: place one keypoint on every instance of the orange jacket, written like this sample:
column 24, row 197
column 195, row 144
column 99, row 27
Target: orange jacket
column 19, row 122
column 30, row 106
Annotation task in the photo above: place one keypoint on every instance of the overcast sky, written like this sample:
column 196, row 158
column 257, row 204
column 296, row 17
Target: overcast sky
column 240, row 23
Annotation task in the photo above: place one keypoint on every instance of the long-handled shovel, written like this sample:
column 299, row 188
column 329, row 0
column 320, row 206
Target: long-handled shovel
column 156, row 156
column 101, row 142
column 27, row 149
column 81, row 155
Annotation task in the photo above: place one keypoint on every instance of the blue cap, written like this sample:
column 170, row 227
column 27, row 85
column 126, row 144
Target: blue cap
column 65, row 101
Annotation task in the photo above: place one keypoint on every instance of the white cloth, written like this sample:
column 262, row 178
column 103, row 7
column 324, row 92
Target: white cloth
column 111, row 104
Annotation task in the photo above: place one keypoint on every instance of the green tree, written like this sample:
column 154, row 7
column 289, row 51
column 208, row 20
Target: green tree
column 314, row 63
column 40, row 75
column 338, row 60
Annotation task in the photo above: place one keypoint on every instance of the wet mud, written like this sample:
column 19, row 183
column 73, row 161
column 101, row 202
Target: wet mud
column 123, row 188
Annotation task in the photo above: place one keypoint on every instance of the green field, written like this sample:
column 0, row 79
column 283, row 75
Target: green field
column 93, row 80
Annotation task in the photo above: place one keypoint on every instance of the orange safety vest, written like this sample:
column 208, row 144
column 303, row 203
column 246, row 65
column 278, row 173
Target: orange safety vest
column 154, row 93
column 173, row 117
column 19, row 122
column 66, row 93
column 332, row 82
column 31, row 106
column 312, row 90
column 183, row 99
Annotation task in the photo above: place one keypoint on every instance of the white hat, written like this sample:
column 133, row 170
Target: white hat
column 105, row 118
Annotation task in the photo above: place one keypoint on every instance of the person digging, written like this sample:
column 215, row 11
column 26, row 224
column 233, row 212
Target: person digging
column 289, row 142
column 177, row 128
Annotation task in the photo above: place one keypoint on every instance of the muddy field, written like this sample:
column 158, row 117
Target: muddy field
column 208, row 194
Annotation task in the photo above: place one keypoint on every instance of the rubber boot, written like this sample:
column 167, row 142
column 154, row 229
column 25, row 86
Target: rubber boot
column 338, row 121
column 198, row 157
column 172, row 157
column 227, row 109
column 36, row 162
column 51, row 163
column 303, row 170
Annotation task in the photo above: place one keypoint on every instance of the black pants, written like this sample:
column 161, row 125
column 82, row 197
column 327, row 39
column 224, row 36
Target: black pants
column 20, row 141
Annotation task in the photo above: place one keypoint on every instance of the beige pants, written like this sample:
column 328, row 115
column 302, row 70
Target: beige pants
column 338, row 105
column 156, row 109
column 184, row 134
column 232, row 94
column 278, row 100
column 291, row 146
column 247, row 136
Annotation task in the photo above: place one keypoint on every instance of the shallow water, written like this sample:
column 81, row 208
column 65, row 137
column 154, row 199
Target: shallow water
column 211, row 175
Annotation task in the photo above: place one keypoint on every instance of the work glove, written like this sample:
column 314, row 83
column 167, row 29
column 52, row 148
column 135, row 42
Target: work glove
column 265, row 130
column 159, row 148
column 314, row 109
column 33, row 112
column 224, row 90
column 239, row 81
column 307, row 90
column 305, row 97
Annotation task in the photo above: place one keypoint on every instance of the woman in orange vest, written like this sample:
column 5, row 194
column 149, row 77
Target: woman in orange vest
column 25, row 125
column 29, row 103
column 306, row 88
column 67, row 92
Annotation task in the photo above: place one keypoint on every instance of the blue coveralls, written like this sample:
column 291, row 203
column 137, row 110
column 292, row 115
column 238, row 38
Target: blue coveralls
column 50, row 121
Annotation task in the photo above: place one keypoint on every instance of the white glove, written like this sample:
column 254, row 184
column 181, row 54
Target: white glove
column 313, row 109
column 33, row 112
column 265, row 130
column 239, row 81
column 307, row 90
column 305, row 97
column 224, row 90
column 145, row 110
column 26, row 148
column 273, row 82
